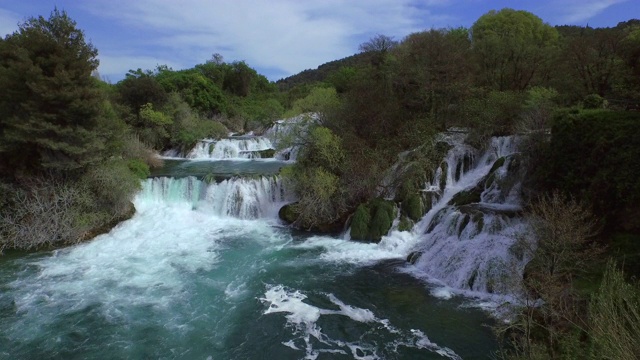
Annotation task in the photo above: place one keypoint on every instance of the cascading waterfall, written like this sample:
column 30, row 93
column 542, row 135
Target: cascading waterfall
column 240, row 148
column 471, row 238
column 243, row 198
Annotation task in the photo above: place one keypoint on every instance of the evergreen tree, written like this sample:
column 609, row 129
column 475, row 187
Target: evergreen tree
column 50, row 108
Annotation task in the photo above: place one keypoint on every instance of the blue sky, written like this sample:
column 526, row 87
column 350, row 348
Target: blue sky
column 277, row 37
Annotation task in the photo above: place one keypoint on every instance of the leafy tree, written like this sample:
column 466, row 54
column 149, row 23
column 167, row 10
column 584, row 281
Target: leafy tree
column 50, row 108
column 593, row 58
column 198, row 91
column 512, row 47
column 140, row 88
column 435, row 72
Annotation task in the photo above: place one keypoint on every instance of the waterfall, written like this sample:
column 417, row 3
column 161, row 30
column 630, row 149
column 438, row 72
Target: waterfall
column 240, row 148
column 243, row 198
column 473, row 245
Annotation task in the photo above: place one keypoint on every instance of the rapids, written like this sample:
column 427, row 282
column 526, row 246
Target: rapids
column 205, row 270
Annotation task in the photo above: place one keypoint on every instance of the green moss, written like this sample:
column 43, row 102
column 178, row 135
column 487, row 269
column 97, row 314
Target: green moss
column 360, row 223
column 443, row 176
column 267, row 153
column 405, row 224
column 373, row 220
column 467, row 197
column 413, row 207
column 497, row 164
column 288, row 214
column 380, row 224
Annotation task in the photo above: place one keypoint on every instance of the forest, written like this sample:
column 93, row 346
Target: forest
column 74, row 148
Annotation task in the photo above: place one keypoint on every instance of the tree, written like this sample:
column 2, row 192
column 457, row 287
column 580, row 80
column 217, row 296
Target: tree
column 435, row 71
column 379, row 43
column 593, row 58
column 50, row 108
column 511, row 48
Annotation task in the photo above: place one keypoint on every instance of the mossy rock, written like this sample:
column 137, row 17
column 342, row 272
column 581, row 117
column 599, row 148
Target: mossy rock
column 378, row 215
column 288, row 214
column 265, row 154
column 497, row 164
column 383, row 212
column 443, row 176
column 413, row 257
column 360, row 223
column 465, row 221
column 405, row 224
column 427, row 201
column 468, row 196
column 413, row 207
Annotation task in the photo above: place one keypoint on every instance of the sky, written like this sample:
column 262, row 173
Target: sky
column 278, row 38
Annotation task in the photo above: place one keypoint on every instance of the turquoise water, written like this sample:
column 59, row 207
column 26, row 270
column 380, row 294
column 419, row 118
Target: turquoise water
column 208, row 272
column 178, row 283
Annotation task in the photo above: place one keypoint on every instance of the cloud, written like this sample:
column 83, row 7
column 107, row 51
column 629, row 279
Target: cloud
column 286, row 36
column 115, row 67
column 8, row 22
column 578, row 11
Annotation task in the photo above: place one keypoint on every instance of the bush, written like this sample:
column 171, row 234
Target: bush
column 594, row 155
column 139, row 168
column 615, row 318
column 594, row 101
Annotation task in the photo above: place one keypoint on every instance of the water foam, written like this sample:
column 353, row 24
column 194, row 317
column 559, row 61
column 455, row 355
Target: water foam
column 240, row 148
column 302, row 317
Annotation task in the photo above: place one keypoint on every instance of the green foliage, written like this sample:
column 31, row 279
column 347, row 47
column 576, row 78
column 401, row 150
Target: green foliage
column 595, row 156
column 594, row 101
column 139, row 168
column 140, row 88
column 45, row 69
column 195, row 89
column 512, row 48
column 320, row 99
column 493, row 114
column 322, row 148
column 615, row 317
column 188, row 126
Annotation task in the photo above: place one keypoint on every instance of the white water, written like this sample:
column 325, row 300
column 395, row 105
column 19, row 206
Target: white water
column 303, row 318
column 184, row 268
column 241, row 148
column 458, row 254
column 242, row 198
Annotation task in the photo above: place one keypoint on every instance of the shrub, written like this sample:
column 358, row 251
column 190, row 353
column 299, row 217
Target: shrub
column 139, row 168
column 594, row 101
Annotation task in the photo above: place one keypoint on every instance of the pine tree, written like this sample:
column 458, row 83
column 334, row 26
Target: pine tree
column 50, row 107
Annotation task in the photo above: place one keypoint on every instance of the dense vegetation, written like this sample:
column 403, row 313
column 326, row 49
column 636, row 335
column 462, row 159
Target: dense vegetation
column 509, row 73
column 73, row 148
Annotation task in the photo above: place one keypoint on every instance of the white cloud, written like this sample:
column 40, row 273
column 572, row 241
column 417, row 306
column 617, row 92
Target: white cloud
column 578, row 11
column 284, row 35
column 115, row 67
column 8, row 22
